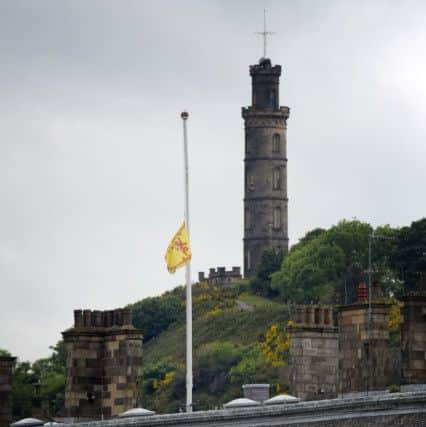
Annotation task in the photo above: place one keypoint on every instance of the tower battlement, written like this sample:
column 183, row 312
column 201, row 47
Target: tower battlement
column 220, row 276
column 314, row 316
column 265, row 67
column 103, row 319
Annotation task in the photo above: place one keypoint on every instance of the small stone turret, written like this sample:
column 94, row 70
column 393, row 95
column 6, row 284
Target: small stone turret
column 104, row 364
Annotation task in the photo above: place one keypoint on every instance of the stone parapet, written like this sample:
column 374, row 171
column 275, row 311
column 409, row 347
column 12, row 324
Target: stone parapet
column 313, row 316
column 390, row 410
column 102, row 319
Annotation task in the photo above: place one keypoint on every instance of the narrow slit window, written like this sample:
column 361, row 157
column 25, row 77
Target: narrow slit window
column 276, row 179
column 277, row 218
column 276, row 143
column 250, row 183
column 248, row 219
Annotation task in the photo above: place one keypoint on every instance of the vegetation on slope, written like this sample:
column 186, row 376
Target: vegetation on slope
column 240, row 333
column 227, row 343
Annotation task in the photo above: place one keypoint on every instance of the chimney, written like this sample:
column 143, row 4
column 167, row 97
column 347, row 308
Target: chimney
column 362, row 292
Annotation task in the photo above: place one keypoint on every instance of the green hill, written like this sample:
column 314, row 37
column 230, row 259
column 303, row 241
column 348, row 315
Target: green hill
column 230, row 335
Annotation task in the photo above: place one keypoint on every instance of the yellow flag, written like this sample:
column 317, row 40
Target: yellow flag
column 179, row 251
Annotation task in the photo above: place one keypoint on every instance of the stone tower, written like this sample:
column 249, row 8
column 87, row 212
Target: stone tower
column 265, row 193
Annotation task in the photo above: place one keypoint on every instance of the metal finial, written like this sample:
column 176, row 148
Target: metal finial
column 264, row 33
column 184, row 115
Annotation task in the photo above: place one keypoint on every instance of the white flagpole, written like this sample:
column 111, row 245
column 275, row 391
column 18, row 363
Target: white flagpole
column 184, row 117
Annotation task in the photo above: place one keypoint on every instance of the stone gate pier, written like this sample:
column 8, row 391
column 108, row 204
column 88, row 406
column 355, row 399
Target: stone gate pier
column 104, row 364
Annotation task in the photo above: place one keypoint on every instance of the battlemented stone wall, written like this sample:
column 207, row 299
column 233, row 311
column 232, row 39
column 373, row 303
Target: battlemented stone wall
column 364, row 356
column 220, row 276
column 413, row 339
column 104, row 364
column 6, row 366
column 313, row 353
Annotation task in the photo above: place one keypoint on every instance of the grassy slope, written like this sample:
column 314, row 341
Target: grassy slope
column 234, row 325
column 257, row 301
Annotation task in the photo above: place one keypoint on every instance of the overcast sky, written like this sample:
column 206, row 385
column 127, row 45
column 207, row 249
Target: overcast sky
column 91, row 143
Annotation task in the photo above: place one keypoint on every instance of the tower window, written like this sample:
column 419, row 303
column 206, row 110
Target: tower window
column 250, row 183
column 276, row 220
column 248, row 260
column 247, row 219
column 271, row 98
column 276, row 143
column 276, row 179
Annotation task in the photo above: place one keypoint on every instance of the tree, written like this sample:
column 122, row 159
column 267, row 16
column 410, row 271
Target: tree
column 270, row 263
column 4, row 352
column 409, row 258
column 156, row 314
column 326, row 265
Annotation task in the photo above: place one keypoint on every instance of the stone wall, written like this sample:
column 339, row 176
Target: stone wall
column 388, row 410
column 313, row 354
column 364, row 357
column 104, row 364
column 413, row 339
column 6, row 366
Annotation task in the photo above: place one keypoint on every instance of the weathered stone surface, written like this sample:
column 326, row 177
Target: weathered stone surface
column 313, row 354
column 104, row 364
column 413, row 339
column 364, row 354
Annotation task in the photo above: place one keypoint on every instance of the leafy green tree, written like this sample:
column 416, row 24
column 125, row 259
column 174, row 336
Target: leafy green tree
column 38, row 389
column 270, row 263
column 309, row 272
column 23, row 390
column 4, row 352
column 327, row 265
column 409, row 258
column 154, row 315
column 212, row 364
column 156, row 372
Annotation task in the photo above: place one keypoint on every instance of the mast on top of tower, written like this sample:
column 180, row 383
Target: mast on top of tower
column 265, row 34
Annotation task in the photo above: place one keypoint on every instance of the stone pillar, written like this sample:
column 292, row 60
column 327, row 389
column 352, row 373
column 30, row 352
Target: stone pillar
column 123, row 371
column 6, row 366
column 104, row 363
column 313, row 354
column 363, row 354
column 413, row 339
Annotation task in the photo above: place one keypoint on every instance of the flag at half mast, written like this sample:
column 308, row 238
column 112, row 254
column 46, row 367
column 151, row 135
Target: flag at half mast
column 178, row 252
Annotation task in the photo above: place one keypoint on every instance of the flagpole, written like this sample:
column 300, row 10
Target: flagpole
column 184, row 117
